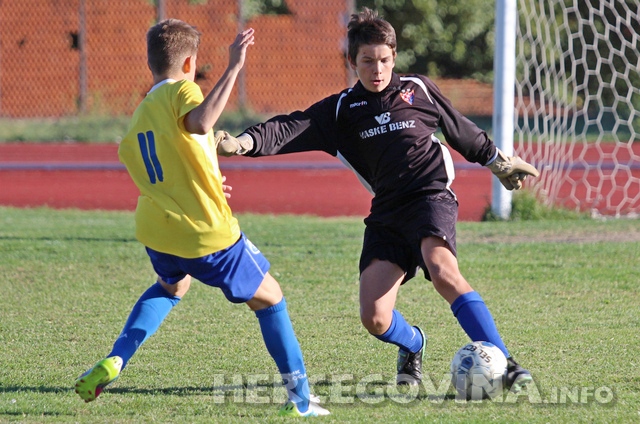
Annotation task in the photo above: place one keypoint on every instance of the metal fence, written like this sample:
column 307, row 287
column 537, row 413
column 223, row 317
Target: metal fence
column 67, row 57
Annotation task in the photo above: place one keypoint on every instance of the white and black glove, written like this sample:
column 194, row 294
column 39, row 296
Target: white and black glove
column 511, row 170
column 228, row 145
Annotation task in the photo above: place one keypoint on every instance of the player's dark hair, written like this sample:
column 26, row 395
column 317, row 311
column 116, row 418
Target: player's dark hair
column 367, row 27
column 169, row 42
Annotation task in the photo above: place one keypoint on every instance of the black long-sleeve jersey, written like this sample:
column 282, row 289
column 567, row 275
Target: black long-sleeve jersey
column 386, row 138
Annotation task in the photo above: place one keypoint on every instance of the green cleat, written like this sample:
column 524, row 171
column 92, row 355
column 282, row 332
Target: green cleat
column 290, row 409
column 90, row 384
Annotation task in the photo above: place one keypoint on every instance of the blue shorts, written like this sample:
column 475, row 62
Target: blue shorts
column 237, row 270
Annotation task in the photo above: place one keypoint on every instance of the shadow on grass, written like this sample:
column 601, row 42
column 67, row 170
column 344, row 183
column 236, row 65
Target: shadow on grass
column 69, row 238
column 375, row 394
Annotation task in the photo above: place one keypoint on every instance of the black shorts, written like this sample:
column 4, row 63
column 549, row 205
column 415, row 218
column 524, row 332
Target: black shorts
column 397, row 236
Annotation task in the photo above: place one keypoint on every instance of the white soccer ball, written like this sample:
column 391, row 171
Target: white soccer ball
column 477, row 371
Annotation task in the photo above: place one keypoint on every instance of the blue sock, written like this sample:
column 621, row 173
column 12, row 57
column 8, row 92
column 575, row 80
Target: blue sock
column 145, row 318
column 476, row 320
column 401, row 334
column 284, row 348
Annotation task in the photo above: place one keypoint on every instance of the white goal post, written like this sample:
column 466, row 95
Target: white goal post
column 577, row 102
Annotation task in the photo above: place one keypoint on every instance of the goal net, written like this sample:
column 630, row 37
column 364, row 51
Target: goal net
column 578, row 102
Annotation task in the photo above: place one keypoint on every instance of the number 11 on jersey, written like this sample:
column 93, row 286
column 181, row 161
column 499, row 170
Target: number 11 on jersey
column 147, row 144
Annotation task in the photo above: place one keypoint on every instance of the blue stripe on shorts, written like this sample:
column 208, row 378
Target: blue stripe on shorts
column 237, row 270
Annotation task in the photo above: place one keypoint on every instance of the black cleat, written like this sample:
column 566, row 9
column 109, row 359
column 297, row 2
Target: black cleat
column 410, row 364
column 516, row 377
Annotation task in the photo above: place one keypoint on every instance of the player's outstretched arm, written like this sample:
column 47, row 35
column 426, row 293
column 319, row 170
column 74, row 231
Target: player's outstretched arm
column 202, row 118
column 511, row 170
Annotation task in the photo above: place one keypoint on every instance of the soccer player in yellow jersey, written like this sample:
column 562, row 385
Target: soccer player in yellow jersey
column 183, row 218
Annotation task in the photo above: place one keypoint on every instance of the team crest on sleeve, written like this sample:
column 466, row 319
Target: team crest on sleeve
column 408, row 96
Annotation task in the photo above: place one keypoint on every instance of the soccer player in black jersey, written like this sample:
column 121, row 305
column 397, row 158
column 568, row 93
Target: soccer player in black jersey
column 383, row 129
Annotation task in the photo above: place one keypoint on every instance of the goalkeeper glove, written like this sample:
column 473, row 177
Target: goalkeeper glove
column 511, row 170
column 228, row 145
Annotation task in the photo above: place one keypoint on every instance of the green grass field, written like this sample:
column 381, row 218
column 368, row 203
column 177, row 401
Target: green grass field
column 98, row 128
column 564, row 294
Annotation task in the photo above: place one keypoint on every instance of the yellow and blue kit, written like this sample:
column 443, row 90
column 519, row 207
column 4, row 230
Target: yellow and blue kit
column 181, row 209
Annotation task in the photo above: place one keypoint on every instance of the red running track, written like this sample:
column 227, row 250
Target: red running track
column 89, row 176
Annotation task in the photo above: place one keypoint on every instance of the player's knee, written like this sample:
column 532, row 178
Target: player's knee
column 268, row 294
column 178, row 289
column 439, row 276
column 444, row 274
column 375, row 323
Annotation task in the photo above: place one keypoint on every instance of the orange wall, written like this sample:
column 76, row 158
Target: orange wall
column 296, row 60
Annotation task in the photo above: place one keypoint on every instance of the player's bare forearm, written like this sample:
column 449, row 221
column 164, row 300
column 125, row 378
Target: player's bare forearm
column 203, row 117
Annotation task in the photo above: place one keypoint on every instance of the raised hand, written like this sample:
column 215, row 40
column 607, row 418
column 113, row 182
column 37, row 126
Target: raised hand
column 238, row 49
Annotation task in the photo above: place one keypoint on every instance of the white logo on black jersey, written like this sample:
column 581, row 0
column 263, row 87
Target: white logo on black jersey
column 384, row 128
column 384, row 118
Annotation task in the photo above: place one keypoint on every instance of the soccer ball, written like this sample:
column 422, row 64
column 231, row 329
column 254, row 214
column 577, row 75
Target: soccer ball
column 477, row 371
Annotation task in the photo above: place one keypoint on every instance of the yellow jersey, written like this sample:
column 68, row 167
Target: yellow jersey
column 181, row 208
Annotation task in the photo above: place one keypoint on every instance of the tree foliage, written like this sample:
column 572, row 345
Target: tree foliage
column 452, row 38
column 253, row 8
